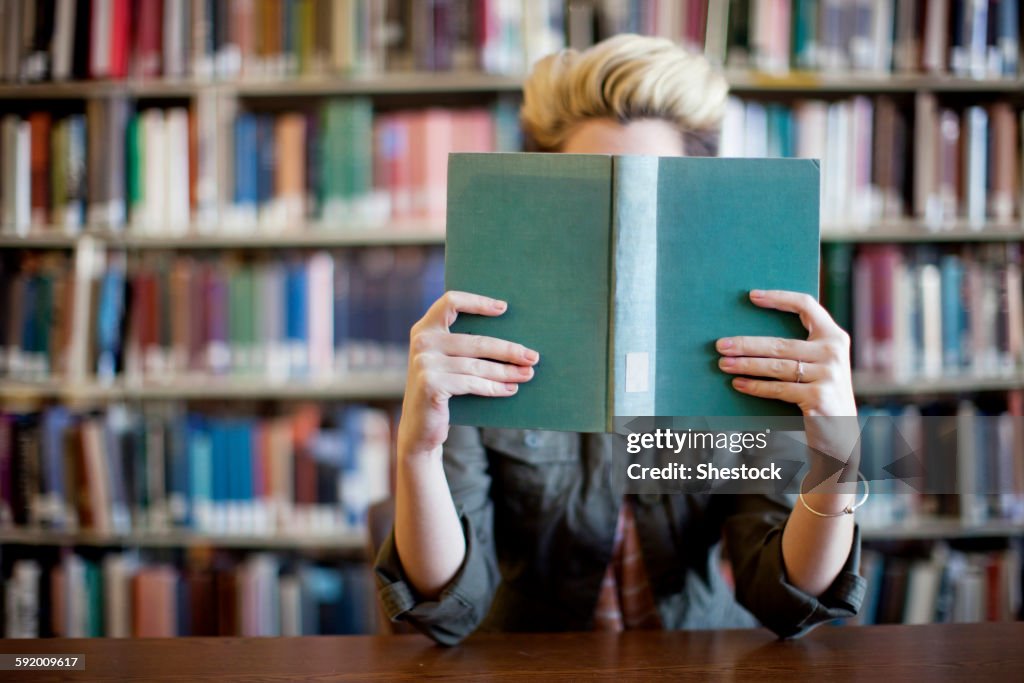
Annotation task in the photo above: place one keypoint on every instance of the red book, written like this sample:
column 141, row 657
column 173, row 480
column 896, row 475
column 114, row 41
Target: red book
column 40, row 124
column 887, row 260
column 148, row 39
column 120, row 30
column 154, row 602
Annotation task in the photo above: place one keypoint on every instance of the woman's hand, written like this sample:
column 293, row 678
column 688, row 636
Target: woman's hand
column 443, row 364
column 813, row 373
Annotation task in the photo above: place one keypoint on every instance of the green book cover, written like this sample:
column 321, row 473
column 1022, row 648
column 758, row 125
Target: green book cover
column 136, row 162
column 622, row 271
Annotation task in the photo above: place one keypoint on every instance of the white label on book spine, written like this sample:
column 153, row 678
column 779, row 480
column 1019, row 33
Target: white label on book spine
column 637, row 372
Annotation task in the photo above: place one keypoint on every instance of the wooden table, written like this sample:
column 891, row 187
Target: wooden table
column 881, row 654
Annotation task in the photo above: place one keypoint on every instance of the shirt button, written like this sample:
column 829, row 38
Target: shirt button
column 532, row 439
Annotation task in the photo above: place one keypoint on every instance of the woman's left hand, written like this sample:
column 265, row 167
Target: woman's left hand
column 813, row 373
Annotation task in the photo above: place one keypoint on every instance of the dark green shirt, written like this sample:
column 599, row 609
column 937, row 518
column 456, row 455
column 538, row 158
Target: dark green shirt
column 539, row 511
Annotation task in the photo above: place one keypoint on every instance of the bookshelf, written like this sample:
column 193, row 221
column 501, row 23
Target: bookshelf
column 405, row 80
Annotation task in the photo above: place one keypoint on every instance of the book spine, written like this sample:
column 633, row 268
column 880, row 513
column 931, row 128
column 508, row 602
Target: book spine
column 633, row 337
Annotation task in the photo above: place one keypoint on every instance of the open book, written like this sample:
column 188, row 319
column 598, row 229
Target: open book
column 622, row 272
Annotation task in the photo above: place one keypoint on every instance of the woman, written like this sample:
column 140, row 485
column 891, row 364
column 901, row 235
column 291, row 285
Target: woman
column 526, row 530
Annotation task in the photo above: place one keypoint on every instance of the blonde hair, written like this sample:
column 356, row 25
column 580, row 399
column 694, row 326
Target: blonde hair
column 626, row 77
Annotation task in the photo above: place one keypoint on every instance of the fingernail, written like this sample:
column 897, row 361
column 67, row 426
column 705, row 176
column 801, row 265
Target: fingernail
column 726, row 362
column 531, row 355
column 512, row 388
column 725, row 343
column 756, row 293
column 526, row 371
column 739, row 382
column 500, row 305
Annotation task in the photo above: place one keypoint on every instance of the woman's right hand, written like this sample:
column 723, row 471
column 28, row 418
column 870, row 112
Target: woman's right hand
column 443, row 364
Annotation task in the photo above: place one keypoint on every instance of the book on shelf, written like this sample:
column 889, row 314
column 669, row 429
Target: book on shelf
column 59, row 40
column 926, row 311
column 314, row 316
column 637, row 231
column 963, row 38
column 124, row 594
column 965, row 164
column 971, row 472
column 212, row 168
column 949, row 585
column 310, row 471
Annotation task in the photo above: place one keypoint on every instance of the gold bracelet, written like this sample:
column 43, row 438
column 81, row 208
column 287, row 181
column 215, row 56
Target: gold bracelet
column 848, row 510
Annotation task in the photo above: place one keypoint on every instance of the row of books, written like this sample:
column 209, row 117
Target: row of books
column 927, row 311
column 949, row 586
column 310, row 470
column 877, row 163
column 968, row 38
column 163, row 171
column 969, row 464
column 156, row 316
column 61, row 40
column 124, row 595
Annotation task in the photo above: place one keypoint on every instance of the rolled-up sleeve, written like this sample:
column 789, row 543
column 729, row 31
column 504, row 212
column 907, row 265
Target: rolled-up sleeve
column 465, row 601
column 753, row 536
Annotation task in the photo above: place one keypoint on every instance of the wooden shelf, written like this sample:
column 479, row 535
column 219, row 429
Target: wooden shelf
column 940, row 529
column 406, row 83
column 364, row 386
column 349, row 543
column 743, row 81
column 427, row 233
column 869, row 385
column 413, row 83
column 418, row 233
column 917, row 231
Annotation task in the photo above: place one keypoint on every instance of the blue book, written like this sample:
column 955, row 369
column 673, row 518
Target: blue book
column 56, row 421
column 622, row 272
column 200, row 470
column 220, row 470
column 246, row 161
column 952, row 275
column 266, row 155
column 1008, row 35
column 177, row 463
column 109, row 314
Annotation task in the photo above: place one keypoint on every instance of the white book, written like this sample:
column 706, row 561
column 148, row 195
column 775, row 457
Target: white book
column 99, row 36
column 154, row 172
column 17, row 175
column 733, row 124
column 321, row 315
column 976, row 153
column 118, row 571
column 922, row 592
column 177, row 179
column 62, row 43
column 21, row 600
column 755, row 130
column 883, row 24
column 290, row 594
column 931, row 319
column 174, row 38
column 976, row 13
